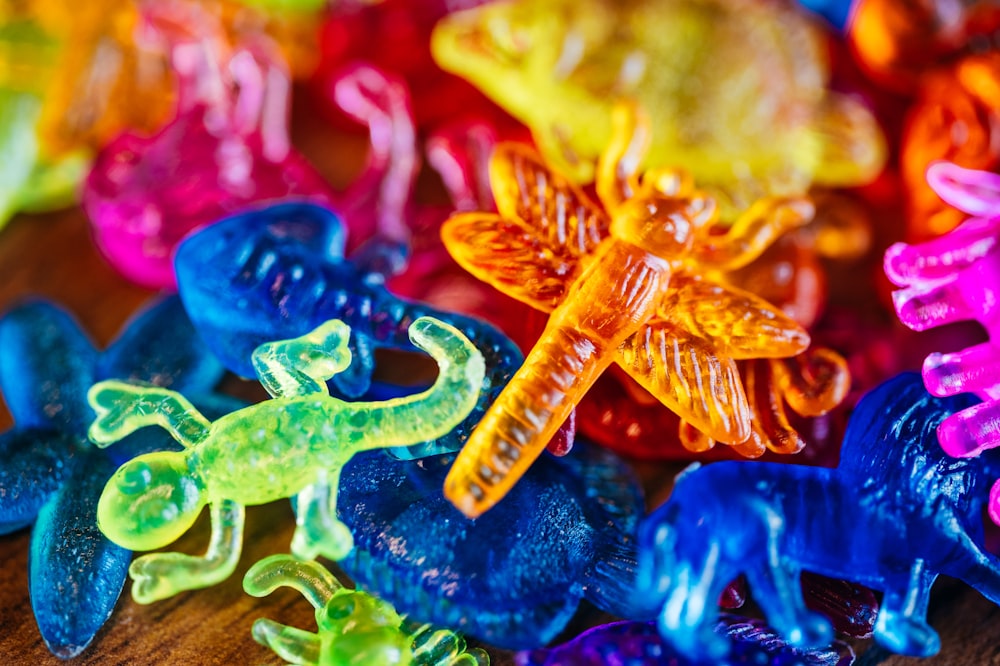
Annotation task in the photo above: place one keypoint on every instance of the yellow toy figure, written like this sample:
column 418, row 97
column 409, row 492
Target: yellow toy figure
column 28, row 182
column 736, row 88
column 630, row 284
column 109, row 79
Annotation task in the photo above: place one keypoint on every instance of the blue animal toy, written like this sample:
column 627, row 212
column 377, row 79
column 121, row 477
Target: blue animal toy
column 897, row 512
column 278, row 272
column 513, row 577
column 52, row 476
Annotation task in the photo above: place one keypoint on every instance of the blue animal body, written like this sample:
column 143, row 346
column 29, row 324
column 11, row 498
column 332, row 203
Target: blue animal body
column 896, row 513
column 52, row 475
column 513, row 577
column 278, row 272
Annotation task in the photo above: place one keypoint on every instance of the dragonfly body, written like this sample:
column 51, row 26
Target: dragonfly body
column 617, row 293
column 630, row 283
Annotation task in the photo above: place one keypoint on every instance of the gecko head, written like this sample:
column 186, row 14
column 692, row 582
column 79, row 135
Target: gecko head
column 150, row 501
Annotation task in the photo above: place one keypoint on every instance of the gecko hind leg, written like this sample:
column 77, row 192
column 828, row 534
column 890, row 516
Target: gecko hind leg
column 318, row 531
column 162, row 575
column 302, row 365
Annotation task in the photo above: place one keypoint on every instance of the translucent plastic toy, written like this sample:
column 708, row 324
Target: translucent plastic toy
column 512, row 578
column 52, row 477
column 277, row 272
column 895, row 514
column 935, row 50
column 631, row 283
column 394, row 36
column 638, row 644
column 29, row 181
column 953, row 278
column 718, row 78
column 293, row 445
column 784, row 396
column 113, row 76
column 227, row 149
column 355, row 628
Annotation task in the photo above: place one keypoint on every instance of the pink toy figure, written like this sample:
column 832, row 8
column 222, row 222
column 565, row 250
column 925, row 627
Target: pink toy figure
column 228, row 149
column 956, row 277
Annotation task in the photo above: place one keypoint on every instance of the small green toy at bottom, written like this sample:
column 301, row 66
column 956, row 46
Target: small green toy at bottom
column 294, row 444
column 355, row 628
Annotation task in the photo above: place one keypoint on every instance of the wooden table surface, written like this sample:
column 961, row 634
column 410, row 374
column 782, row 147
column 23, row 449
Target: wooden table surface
column 52, row 256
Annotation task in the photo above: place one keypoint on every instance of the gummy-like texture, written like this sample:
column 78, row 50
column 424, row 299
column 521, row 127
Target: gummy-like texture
column 53, row 477
column 934, row 48
column 355, row 628
column 226, row 149
column 954, row 118
column 633, row 283
column 717, row 76
column 784, row 395
column 112, row 77
column 899, row 42
column 28, row 181
column 292, row 445
column 275, row 273
column 513, row 577
column 395, row 36
column 896, row 513
column 638, row 644
column 953, row 278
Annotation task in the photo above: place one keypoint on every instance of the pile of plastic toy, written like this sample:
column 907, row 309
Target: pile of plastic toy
column 672, row 233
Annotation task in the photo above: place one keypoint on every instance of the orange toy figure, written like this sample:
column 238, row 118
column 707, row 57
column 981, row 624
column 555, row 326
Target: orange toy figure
column 624, row 417
column 944, row 53
column 790, row 276
column 955, row 118
column 629, row 284
column 110, row 79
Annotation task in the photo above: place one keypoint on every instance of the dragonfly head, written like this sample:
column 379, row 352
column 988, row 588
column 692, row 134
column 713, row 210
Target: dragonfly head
column 662, row 225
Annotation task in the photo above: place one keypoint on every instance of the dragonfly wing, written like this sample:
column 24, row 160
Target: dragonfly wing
column 532, row 250
column 508, row 257
column 546, row 204
column 687, row 375
column 739, row 324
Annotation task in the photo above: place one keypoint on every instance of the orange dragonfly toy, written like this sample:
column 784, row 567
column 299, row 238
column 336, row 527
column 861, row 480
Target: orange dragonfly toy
column 633, row 283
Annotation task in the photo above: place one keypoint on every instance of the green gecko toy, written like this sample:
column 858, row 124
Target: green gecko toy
column 355, row 628
column 294, row 444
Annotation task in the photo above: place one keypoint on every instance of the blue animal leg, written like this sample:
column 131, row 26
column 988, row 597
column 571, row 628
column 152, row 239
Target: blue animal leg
column 902, row 620
column 978, row 568
column 778, row 590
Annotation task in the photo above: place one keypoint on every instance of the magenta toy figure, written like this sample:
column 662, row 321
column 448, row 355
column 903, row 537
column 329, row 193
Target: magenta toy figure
column 227, row 148
column 957, row 278
column 232, row 131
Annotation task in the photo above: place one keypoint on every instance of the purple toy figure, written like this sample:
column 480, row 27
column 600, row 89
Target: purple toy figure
column 957, row 278
column 228, row 149
column 638, row 644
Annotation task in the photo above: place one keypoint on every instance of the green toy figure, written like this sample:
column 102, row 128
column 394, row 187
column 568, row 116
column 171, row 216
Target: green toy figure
column 294, row 444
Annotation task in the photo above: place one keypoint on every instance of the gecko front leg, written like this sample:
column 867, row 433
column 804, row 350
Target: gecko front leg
column 317, row 531
column 123, row 408
column 162, row 575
